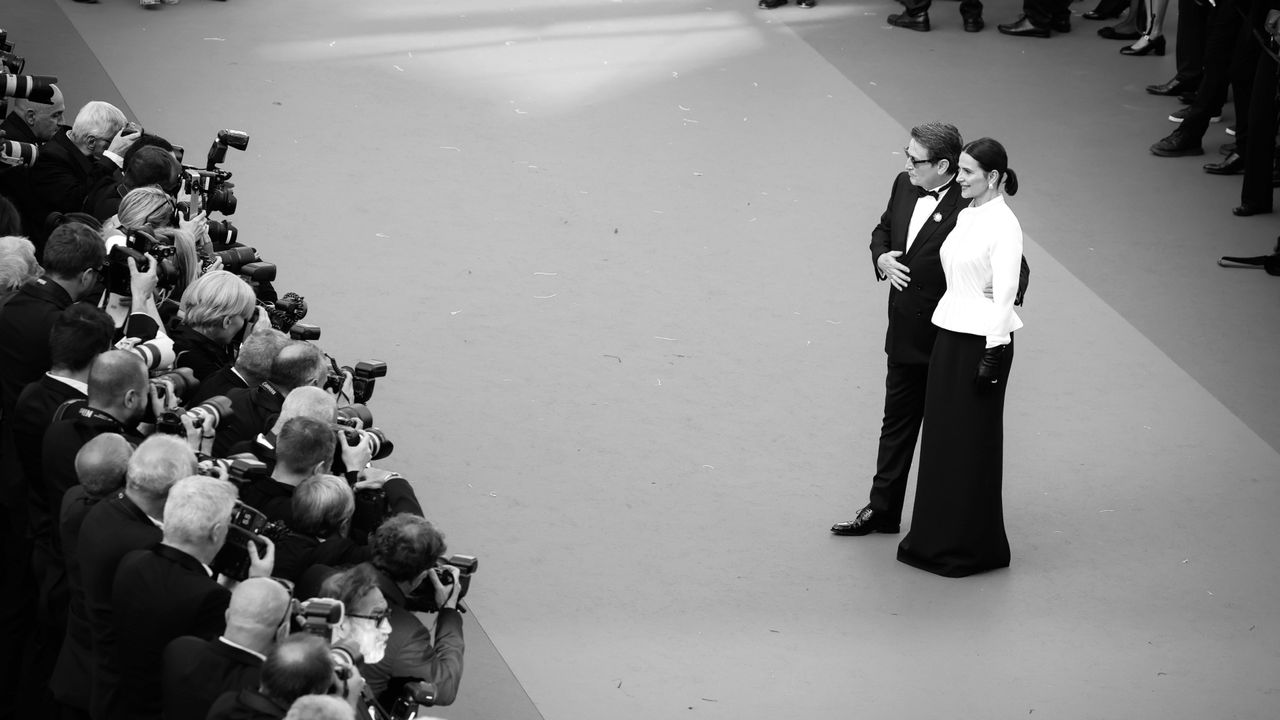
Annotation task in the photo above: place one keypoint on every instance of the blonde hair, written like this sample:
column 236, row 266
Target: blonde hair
column 18, row 265
column 214, row 296
column 147, row 205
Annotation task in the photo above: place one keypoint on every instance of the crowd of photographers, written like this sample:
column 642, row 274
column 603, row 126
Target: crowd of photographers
column 193, row 525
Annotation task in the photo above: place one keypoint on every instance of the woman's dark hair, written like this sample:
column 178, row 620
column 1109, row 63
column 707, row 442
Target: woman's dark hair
column 991, row 155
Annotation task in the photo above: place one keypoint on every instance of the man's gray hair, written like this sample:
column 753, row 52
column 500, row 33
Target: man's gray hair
column 159, row 462
column 320, row 707
column 322, row 506
column 195, row 505
column 97, row 119
column 257, row 353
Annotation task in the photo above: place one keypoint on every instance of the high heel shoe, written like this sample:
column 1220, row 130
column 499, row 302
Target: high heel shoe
column 1146, row 45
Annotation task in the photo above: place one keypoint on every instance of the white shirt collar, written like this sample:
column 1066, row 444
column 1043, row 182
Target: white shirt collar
column 83, row 387
column 238, row 646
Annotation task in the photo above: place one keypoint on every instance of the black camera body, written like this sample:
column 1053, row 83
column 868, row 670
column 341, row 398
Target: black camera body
column 423, row 597
column 363, row 375
column 247, row 525
column 285, row 311
column 140, row 242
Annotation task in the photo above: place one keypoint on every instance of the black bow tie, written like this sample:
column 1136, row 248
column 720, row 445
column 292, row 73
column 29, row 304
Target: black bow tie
column 921, row 192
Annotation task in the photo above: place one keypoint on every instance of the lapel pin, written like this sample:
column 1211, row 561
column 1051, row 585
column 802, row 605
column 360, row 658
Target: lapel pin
column 937, row 217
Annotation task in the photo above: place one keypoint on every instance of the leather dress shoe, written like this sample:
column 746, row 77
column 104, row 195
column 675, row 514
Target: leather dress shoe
column 771, row 4
column 1177, row 144
column 1062, row 25
column 1173, row 87
column 866, row 522
column 919, row 23
column 1245, row 210
column 1109, row 32
column 1232, row 164
column 806, row 3
column 973, row 24
column 1023, row 27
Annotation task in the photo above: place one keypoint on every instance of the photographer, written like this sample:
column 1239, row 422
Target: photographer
column 215, row 310
column 197, row 671
column 252, row 366
column 166, row 592
column 300, row 665
column 128, row 521
column 322, row 510
column 18, row 264
column 31, row 122
column 74, row 160
column 303, row 450
column 149, row 162
column 299, row 364
column 406, row 552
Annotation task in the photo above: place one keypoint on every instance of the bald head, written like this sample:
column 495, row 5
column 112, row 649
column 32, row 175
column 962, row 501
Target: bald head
column 299, row 665
column 42, row 118
column 257, row 607
column 101, row 464
column 158, row 463
column 112, row 377
column 299, row 363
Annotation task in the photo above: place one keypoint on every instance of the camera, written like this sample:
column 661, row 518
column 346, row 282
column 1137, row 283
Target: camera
column 140, row 242
column 247, row 525
column 210, row 189
column 363, row 375
column 319, row 616
column 11, row 63
column 23, row 153
column 285, row 311
column 303, row 331
column 217, row 407
column 237, row 470
column 423, row 597
column 408, row 697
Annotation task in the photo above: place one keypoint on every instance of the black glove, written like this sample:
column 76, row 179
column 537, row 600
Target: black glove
column 989, row 368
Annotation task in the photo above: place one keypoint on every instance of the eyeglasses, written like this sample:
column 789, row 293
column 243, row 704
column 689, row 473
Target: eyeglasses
column 914, row 161
column 377, row 618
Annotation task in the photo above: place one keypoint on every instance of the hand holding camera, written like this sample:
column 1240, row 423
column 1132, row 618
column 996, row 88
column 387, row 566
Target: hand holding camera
column 125, row 139
column 444, row 578
column 262, row 556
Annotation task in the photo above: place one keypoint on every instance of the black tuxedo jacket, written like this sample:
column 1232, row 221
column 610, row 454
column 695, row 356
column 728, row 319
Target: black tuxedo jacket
column 221, row 382
column 911, row 329
column 112, row 529
column 159, row 595
column 62, row 441
column 71, row 674
column 60, row 179
column 197, row 671
column 203, row 355
column 25, row 323
column 254, row 410
column 24, row 437
column 14, row 181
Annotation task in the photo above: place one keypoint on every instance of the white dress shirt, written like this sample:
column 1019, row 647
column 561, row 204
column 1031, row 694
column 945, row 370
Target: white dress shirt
column 985, row 248
column 925, row 206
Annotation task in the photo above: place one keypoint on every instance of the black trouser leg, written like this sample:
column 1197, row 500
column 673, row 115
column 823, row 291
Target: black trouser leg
column 1193, row 24
column 903, row 412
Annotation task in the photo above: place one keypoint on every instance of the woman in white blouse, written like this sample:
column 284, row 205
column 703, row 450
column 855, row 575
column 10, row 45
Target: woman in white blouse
column 957, row 526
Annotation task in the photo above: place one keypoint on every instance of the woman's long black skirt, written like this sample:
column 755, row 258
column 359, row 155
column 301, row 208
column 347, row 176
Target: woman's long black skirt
column 957, row 526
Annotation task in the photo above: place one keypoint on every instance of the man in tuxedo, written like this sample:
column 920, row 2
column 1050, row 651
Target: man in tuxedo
column 251, row 368
column 255, row 409
column 196, row 671
column 73, row 161
column 114, row 527
column 168, row 590
column 923, row 206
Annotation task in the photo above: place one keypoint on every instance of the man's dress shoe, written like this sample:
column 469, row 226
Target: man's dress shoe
column 919, row 23
column 771, row 4
column 866, row 522
column 806, row 3
column 973, row 24
column 1173, row 87
column 1109, row 32
column 1232, row 164
column 1023, row 27
column 1177, row 144
column 1245, row 210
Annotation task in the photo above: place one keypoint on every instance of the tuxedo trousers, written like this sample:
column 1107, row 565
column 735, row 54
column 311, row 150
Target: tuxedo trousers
column 904, row 393
column 957, row 524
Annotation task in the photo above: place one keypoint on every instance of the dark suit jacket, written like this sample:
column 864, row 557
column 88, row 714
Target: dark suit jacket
column 203, row 355
column 270, row 497
column 32, row 415
column 254, row 410
column 246, row 705
column 62, row 441
column 25, row 323
column 197, row 671
column 60, row 180
column 70, row 680
column 296, row 553
column 410, row 652
column 911, row 329
column 15, row 182
column 221, row 382
column 159, row 594
column 111, row 530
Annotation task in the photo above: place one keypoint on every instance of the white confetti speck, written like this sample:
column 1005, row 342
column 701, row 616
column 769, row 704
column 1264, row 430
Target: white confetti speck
column 545, row 297
column 398, row 68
